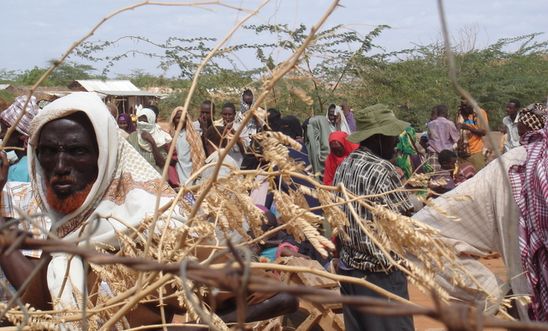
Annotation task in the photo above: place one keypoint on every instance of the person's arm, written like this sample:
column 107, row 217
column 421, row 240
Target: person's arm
column 475, row 130
column 159, row 158
column 454, row 133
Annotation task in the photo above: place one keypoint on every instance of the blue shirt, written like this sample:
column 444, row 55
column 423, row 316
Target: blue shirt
column 19, row 172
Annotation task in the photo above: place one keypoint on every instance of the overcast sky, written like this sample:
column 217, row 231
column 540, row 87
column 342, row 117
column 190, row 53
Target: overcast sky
column 35, row 31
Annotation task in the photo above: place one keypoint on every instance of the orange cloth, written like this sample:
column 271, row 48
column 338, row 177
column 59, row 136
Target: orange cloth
column 475, row 142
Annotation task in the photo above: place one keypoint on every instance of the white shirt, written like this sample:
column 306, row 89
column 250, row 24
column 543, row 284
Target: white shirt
column 184, row 161
column 512, row 133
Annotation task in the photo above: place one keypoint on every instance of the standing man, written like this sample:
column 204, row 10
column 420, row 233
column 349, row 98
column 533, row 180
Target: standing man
column 17, row 157
column 442, row 134
column 473, row 129
column 347, row 111
column 368, row 171
column 512, row 108
column 205, row 118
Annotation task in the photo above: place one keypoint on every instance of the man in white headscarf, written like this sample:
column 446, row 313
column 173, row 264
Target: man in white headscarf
column 337, row 119
column 149, row 140
column 84, row 178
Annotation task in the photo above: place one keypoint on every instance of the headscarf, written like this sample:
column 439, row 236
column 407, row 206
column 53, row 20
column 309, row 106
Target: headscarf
column 317, row 142
column 160, row 136
column 193, row 139
column 533, row 116
column 530, row 191
column 125, row 188
column 333, row 161
column 12, row 113
column 405, row 150
column 126, row 118
column 343, row 125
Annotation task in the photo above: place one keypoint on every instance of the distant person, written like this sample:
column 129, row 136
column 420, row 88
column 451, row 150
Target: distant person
column 337, row 120
column 317, row 132
column 18, row 170
column 472, row 131
column 367, row 171
column 125, row 124
column 442, row 134
column 349, row 115
column 339, row 149
column 274, row 118
column 512, row 136
column 205, row 118
column 252, row 127
column 149, row 140
column 230, row 126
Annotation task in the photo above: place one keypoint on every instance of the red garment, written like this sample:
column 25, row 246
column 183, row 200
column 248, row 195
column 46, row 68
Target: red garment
column 333, row 161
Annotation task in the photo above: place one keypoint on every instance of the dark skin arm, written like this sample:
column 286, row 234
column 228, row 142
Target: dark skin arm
column 477, row 131
column 159, row 159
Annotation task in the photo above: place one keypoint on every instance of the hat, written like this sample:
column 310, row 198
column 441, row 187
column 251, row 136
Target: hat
column 533, row 116
column 376, row 119
column 12, row 113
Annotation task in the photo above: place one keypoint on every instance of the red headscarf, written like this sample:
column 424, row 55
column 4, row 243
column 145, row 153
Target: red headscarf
column 333, row 161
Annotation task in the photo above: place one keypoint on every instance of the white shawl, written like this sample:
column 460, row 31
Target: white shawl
column 125, row 188
column 343, row 125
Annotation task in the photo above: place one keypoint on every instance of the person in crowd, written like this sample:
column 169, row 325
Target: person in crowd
column 506, row 212
column 215, row 142
column 366, row 171
column 189, row 155
column 317, row 142
column 349, row 115
column 442, row 134
column 125, row 124
column 291, row 126
column 443, row 180
column 253, row 126
column 339, row 149
column 473, row 129
column 230, row 126
column 149, row 140
column 205, row 118
column 274, row 118
column 17, row 157
column 408, row 158
column 156, row 111
column 531, row 118
column 337, row 120
column 512, row 136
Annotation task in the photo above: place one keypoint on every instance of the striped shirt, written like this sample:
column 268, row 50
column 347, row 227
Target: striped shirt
column 363, row 173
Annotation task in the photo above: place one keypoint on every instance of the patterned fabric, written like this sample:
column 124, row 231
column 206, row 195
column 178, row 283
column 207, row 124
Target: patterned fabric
column 133, row 140
column 442, row 134
column 363, row 173
column 533, row 116
column 126, row 187
column 408, row 159
column 13, row 112
column 530, row 191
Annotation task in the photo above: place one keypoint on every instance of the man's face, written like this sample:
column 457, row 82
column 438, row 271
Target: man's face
column 206, row 113
column 248, row 99
column 511, row 110
column 228, row 115
column 68, row 153
column 388, row 145
column 331, row 115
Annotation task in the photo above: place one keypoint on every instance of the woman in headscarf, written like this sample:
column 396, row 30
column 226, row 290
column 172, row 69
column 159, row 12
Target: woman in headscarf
column 189, row 153
column 337, row 120
column 339, row 148
column 125, row 124
column 408, row 158
column 149, row 140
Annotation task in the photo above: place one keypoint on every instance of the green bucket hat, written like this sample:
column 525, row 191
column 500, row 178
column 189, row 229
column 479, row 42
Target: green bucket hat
column 376, row 119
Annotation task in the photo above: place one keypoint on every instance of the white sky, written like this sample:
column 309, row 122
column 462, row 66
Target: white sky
column 35, row 31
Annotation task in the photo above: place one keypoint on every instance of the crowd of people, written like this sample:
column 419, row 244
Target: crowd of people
column 73, row 162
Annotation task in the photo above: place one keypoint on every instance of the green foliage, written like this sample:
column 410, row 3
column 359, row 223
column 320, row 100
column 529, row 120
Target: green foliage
column 62, row 76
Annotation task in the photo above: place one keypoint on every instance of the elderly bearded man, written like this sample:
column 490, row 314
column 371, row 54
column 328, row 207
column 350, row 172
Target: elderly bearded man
column 84, row 178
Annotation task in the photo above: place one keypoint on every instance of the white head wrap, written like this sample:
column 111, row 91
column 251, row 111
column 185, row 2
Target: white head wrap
column 160, row 136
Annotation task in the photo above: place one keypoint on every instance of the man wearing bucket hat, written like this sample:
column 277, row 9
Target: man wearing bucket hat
column 368, row 171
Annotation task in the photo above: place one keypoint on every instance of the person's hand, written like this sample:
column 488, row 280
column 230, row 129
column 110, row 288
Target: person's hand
column 465, row 126
column 147, row 137
column 338, row 118
column 4, row 167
